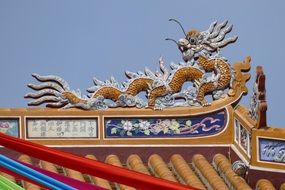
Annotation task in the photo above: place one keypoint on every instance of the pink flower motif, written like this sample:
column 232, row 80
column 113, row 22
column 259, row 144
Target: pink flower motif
column 4, row 125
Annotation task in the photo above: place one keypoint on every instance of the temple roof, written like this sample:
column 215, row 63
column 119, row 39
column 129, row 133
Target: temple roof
column 211, row 142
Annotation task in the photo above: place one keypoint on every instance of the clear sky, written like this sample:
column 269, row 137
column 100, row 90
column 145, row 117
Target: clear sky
column 78, row 40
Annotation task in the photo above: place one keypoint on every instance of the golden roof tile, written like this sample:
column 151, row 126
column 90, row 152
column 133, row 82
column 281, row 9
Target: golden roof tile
column 159, row 167
column 183, row 170
column 48, row 166
column 207, row 173
column 96, row 180
column 264, row 184
column 114, row 160
column 224, row 168
column 135, row 163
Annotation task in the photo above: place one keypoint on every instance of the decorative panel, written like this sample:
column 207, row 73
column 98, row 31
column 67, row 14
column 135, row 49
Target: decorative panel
column 10, row 126
column 62, row 128
column 165, row 127
column 271, row 150
column 244, row 139
column 237, row 129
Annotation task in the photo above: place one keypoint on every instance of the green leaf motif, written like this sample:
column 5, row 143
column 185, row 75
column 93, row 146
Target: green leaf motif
column 114, row 130
column 188, row 123
column 147, row 132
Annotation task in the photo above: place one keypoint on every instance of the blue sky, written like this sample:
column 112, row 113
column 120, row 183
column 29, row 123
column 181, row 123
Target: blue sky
column 78, row 40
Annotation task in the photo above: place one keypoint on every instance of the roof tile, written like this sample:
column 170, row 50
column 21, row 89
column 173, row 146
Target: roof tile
column 159, row 168
column 183, row 170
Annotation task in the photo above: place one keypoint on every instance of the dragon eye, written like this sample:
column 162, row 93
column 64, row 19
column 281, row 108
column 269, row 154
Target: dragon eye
column 193, row 40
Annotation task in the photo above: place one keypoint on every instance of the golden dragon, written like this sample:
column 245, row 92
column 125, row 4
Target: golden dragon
column 204, row 67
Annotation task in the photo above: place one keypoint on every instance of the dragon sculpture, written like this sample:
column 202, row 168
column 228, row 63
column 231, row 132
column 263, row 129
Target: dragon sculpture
column 203, row 65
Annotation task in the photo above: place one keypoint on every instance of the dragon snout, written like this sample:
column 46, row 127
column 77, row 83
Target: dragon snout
column 187, row 55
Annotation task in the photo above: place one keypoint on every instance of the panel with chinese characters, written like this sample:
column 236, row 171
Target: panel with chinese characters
column 62, row 128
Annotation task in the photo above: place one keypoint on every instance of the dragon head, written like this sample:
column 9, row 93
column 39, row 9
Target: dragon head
column 196, row 43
